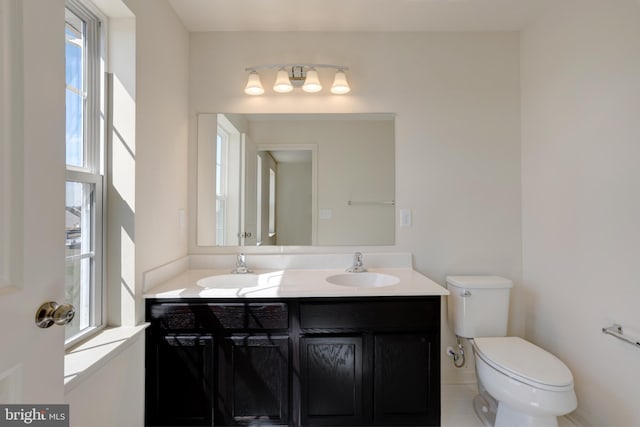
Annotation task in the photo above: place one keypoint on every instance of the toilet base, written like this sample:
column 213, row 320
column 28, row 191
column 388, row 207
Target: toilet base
column 485, row 408
column 492, row 413
column 508, row 417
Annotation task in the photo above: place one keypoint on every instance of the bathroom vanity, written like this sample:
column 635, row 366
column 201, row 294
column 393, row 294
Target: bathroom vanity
column 280, row 353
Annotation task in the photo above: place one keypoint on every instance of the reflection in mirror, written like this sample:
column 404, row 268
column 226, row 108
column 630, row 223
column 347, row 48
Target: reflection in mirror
column 295, row 179
column 285, row 194
column 218, row 182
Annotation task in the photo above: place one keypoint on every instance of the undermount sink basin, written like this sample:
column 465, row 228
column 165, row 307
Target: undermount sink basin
column 230, row 281
column 363, row 280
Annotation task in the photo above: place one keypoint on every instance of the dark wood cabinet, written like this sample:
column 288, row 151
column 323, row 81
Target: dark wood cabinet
column 370, row 361
column 296, row 361
column 217, row 363
column 331, row 376
column 254, row 373
column 405, row 391
column 180, row 380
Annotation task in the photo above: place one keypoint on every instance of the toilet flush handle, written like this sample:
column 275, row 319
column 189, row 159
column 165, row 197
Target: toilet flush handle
column 466, row 293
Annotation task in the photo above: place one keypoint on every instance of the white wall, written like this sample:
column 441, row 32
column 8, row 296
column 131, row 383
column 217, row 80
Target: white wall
column 457, row 99
column 293, row 203
column 121, row 171
column 111, row 396
column 581, row 200
column 162, row 61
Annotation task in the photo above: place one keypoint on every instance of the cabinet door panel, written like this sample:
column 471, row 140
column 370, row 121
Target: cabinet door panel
column 331, row 380
column 257, row 380
column 406, row 383
column 182, row 373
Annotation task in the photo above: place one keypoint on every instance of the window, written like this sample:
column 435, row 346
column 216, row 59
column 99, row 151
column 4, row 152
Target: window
column 227, row 178
column 85, row 170
column 222, row 145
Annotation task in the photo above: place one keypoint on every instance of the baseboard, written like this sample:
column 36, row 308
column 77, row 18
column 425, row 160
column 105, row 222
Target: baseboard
column 577, row 420
column 462, row 377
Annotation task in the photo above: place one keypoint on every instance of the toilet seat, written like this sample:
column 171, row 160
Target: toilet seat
column 524, row 362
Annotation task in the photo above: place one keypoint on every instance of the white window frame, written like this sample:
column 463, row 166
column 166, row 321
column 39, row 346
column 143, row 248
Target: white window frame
column 272, row 202
column 93, row 170
column 222, row 165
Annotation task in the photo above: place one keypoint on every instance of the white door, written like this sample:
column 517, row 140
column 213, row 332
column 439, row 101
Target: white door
column 32, row 154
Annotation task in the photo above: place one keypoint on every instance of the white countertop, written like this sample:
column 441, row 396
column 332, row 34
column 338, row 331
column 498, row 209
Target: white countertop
column 295, row 283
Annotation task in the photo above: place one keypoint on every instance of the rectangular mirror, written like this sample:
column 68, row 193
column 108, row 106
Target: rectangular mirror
column 295, row 179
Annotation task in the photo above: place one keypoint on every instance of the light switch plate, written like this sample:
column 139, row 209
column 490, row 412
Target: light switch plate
column 405, row 217
column 326, row 213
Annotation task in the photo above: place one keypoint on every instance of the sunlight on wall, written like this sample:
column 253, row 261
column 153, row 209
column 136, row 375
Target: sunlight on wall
column 123, row 116
column 122, row 171
column 128, row 274
column 123, row 140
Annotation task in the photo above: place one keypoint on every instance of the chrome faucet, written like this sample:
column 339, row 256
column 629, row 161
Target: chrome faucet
column 358, row 265
column 241, row 265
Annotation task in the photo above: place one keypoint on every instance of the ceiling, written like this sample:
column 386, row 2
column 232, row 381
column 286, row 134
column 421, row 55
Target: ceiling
column 358, row 15
column 291, row 156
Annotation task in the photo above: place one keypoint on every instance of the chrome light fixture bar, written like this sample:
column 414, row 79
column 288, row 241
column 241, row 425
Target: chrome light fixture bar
column 290, row 76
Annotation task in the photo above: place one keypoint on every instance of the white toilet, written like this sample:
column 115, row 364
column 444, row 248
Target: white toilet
column 519, row 383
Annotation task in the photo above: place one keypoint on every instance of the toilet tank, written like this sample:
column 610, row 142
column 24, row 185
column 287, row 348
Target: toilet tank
column 478, row 306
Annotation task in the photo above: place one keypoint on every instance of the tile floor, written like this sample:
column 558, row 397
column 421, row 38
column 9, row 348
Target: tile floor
column 457, row 407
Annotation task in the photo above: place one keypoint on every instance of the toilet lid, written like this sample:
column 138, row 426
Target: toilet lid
column 524, row 361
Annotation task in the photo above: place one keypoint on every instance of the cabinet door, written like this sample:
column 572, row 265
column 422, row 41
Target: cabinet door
column 180, row 381
column 406, row 380
column 256, row 385
column 331, row 377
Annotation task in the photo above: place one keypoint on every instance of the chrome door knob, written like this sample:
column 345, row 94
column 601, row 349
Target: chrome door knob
column 51, row 313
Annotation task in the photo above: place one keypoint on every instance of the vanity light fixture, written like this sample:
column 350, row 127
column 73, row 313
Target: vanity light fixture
column 290, row 76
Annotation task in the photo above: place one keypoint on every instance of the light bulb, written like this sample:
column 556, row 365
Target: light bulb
column 254, row 87
column 282, row 84
column 340, row 85
column 312, row 83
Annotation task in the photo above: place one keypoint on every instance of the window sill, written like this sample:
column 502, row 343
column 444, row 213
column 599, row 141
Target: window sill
column 86, row 358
